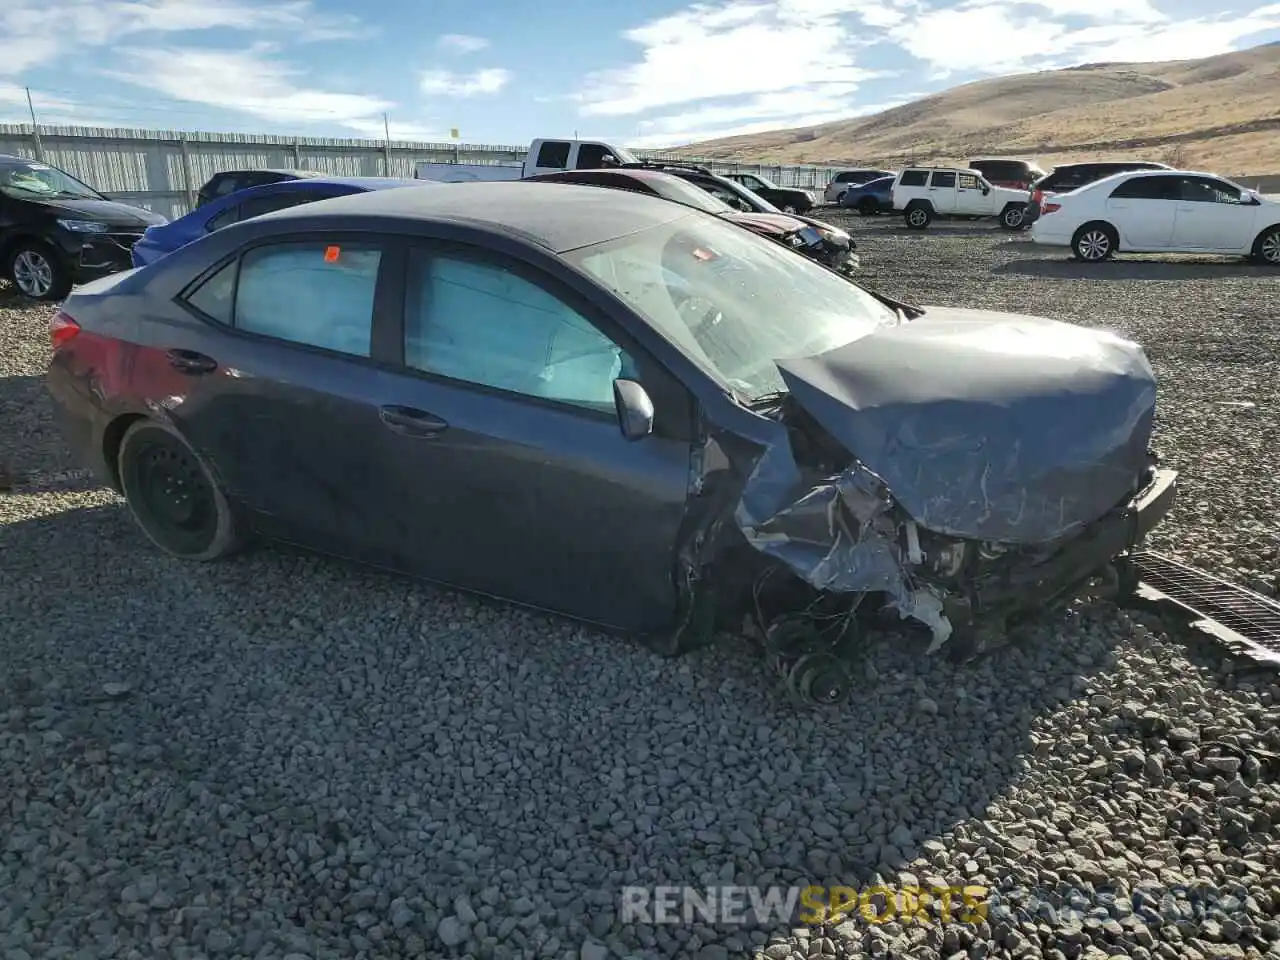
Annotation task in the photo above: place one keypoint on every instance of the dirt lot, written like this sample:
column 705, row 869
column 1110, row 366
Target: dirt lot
column 285, row 756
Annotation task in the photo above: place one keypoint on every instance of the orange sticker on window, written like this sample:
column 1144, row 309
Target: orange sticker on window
column 331, row 254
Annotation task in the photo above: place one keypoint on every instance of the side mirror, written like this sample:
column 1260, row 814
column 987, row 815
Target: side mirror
column 635, row 409
column 985, row 190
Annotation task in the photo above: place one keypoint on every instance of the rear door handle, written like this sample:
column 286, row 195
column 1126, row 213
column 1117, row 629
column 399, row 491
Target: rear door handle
column 188, row 361
column 411, row 421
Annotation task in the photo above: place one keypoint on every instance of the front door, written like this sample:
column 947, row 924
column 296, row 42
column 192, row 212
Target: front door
column 502, row 452
column 942, row 191
column 970, row 199
column 1212, row 215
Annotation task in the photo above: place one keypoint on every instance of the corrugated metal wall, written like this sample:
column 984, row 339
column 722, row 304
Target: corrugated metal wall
column 162, row 169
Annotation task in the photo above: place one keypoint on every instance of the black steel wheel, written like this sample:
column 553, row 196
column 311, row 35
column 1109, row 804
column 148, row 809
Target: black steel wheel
column 172, row 496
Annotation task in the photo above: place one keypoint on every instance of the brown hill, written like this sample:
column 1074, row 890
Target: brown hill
column 1219, row 113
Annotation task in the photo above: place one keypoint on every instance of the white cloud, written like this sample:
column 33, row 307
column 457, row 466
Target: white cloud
column 446, row 83
column 36, row 32
column 743, row 66
column 990, row 36
column 461, row 43
column 245, row 81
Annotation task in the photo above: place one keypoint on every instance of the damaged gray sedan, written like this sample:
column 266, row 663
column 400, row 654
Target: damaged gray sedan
column 616, row 408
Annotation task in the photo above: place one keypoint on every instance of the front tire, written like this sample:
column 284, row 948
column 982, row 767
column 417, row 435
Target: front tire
column 917, row 217
column 1094, row 242
column 172, row 495
column 37, row 271
column 1266, row 249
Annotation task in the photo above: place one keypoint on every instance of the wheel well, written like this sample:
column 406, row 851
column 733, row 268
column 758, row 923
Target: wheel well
column 10, row 242
column 111, row 440
column 914, row 204
column 1265, row 230
column 1110, row 228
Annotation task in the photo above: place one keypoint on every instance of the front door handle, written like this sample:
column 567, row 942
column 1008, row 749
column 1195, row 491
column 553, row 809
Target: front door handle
column 411, row 421
column 188, row 361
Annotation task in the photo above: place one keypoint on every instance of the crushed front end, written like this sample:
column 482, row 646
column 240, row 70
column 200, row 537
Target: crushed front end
column 964, row 470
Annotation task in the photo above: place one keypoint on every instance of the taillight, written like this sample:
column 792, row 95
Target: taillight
column 62, row 328
column 1049, row 208
column 1038, row 198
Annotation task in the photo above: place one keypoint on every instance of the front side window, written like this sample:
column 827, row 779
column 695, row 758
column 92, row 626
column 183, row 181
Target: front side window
column 731, row 301
column 1204, row 190
column 966, row 181
column 318, row 294
column 474, row 321
column 591, row 156
column 28, row 180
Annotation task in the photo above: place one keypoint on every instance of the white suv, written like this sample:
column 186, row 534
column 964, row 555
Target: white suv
column 925, row 193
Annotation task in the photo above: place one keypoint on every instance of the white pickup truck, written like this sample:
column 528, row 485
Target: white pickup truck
column 544, row 156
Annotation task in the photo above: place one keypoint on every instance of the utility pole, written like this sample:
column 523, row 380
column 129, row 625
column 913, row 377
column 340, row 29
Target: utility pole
column 35, row 127
column 386, row 148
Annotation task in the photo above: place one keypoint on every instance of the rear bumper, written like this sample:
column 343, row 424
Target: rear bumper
column 79, row 418
column 1029, row 588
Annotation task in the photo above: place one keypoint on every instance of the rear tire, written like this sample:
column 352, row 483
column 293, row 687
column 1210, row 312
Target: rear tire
column 172, row 495
column 917, row 216
column 1014, row 216
column 37, row 271
column 1266, row 249
column 868, row 207
column 1094, row 242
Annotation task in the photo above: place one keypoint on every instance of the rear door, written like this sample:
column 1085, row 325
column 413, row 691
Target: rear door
column 942, row 191
column 1212, row 215
column 1143, row 210
column 501, row 449
column 285, row 388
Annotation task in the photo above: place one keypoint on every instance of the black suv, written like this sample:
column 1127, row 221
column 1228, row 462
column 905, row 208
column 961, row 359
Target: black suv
column 1071, row 176
column 56, row 231
column 229, row 181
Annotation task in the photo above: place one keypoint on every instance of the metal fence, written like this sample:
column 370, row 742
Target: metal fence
column 163, row 169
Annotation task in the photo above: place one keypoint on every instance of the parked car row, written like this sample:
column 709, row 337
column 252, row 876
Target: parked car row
column 596, row 401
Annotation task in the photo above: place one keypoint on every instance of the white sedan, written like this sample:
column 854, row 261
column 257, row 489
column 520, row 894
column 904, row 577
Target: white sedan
column 1161, row 211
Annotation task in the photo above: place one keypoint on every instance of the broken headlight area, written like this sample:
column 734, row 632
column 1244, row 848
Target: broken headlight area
column 832, row 550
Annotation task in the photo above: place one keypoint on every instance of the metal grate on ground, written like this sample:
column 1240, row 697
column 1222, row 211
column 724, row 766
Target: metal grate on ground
column 1245, row 621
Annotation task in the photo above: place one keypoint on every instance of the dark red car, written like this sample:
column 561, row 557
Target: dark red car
column 783, row 227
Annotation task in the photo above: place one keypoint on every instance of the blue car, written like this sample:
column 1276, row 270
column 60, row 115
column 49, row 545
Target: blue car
column 870, row 198
column 162, row 239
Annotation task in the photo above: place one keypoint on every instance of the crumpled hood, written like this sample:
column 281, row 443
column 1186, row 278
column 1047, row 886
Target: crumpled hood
column 990, row 426
column 106, row 211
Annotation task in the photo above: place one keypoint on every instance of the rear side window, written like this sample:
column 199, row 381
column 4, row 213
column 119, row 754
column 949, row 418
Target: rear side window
column 1148, row 188
column 943, row 178
column 213, row 297
column 279, row 201
column 554, row 154
column 224, row 184
column 318, row 294
column 913, row 178
column 225, row 218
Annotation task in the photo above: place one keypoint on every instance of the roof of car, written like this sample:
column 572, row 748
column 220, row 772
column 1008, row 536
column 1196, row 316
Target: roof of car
column 558, row 216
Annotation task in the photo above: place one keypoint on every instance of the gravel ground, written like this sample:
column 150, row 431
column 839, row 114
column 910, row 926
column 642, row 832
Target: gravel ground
column 283, row 756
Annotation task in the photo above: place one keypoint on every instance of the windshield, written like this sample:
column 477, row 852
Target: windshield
column 732, row 301
column 25, row 180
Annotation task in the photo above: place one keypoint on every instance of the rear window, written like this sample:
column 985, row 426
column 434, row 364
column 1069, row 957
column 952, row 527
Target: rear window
column 914, row 178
